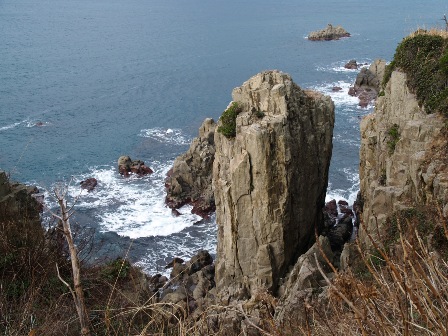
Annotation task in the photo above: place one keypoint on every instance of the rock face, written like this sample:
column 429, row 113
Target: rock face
column 270, row 182
column 190, row 179
column 403, row 156
column 328, row 33
column 368, row 83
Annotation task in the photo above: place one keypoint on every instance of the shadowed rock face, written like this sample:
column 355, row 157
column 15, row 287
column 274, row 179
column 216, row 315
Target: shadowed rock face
column 368, row 82
column 270, row 182
column 190, row 179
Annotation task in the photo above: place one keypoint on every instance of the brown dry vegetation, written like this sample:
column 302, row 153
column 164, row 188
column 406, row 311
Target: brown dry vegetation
column 398, row 288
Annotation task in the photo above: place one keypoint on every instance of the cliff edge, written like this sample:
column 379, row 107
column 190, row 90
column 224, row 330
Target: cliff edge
column 404, row 147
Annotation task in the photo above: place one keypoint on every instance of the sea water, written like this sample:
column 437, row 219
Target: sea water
column 83, row 82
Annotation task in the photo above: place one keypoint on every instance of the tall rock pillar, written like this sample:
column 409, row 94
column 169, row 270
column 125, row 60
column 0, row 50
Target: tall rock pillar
column 270, row 181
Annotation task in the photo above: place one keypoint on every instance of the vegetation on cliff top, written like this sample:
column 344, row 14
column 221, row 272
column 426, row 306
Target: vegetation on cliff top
column 228, row 120
column 423, row 56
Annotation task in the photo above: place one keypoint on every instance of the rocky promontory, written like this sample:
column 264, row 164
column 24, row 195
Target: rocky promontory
column 270, row 181
column 328, row 33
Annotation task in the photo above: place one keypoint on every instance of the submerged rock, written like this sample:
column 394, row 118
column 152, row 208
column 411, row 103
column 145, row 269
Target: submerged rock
column 270, row 181
column 329, row 33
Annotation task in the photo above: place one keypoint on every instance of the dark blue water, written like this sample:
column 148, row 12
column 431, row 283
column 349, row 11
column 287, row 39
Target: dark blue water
column 108, row 78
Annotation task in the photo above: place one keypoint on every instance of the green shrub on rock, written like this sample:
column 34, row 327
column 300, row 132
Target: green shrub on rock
column 228, row 120
column 423, row 56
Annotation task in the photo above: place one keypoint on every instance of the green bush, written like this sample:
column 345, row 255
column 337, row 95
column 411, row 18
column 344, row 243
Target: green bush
column 228, row 120
column 424, row 58
column 394, row 136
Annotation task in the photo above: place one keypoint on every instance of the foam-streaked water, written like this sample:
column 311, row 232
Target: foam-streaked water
column 84, row 82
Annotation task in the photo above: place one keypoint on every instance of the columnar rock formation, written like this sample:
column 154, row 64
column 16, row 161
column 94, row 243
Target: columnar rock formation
column 270, row 182
column 190, row 179
column 403, row 156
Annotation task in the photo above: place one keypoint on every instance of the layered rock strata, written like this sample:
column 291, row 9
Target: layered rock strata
column 403, row 156
column 190, row 179
column 270, row 182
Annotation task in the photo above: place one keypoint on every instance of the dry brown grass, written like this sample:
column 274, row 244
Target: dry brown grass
column 431, row 31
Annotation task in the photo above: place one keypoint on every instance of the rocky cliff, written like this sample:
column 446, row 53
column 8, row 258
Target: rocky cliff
column 403, row 156
column 190, row 179
column 270, row 181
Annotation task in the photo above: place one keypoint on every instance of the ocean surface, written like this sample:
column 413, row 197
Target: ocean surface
column 83, row 82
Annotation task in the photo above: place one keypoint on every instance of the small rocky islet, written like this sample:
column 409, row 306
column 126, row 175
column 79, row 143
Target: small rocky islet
column 329, row 33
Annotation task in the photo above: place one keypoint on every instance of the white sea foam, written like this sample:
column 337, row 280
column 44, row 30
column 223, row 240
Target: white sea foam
column 166, row 135
column 36, row 123
column 132, row 207
column 7, row 127
column 339, row 67
column 349, row 194
column 180, row 245
column 341, row 97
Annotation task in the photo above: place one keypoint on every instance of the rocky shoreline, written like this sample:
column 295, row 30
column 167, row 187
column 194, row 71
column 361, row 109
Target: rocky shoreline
column 263, row 167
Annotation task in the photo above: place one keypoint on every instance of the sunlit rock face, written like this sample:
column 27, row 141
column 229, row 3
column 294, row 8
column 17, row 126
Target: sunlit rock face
column 270, row 182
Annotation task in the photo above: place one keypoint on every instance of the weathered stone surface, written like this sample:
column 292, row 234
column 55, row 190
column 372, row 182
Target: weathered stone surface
column 304, row 276
column 396, row 172
column 190, row 180
column 127, row 166
column 328, row 33
column 368, row 82
column 270, row 182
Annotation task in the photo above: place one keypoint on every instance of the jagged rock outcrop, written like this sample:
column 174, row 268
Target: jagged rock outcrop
column 352, row 65
column 328, row 33
column 126, row 166
column 270, row 182
column 403, row 156
column 18, row 201
column 190, row 179
column 368, row 82
column 304, row 277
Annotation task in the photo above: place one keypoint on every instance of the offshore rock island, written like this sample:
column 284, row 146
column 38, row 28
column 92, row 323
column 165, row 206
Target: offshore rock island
column 284, row 264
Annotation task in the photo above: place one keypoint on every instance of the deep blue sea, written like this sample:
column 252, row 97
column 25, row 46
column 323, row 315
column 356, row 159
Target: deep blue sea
column 105, row 78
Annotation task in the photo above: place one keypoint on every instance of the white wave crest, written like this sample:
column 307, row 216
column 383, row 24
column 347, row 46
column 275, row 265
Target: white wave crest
column 132, row 207
column 166, row 135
